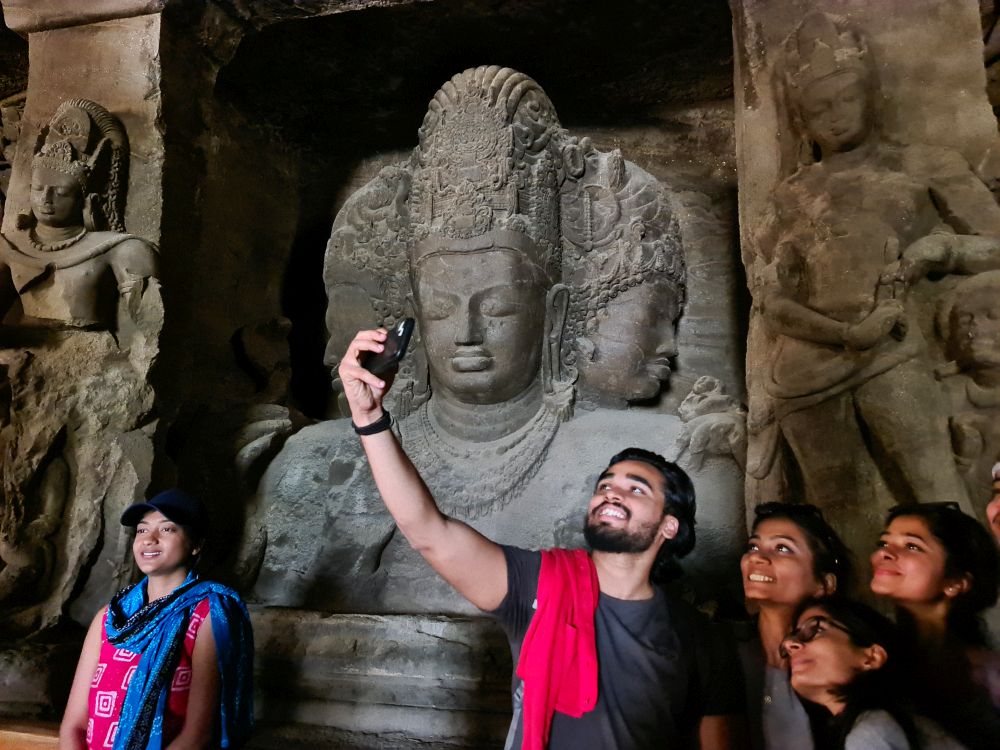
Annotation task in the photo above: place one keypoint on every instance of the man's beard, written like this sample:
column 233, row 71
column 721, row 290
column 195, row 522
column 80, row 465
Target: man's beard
column 601, row 538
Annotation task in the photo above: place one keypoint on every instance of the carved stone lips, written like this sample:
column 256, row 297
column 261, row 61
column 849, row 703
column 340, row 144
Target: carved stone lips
column 471, row 360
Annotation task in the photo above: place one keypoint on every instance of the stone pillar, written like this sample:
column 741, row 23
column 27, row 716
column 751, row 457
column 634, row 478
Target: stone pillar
column 853, row 240
column 78, row 431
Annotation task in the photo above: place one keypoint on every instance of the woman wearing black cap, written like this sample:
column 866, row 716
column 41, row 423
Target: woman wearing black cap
column 168, row 663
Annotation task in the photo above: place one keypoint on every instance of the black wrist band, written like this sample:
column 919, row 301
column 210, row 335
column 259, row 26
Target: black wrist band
column 381, row 424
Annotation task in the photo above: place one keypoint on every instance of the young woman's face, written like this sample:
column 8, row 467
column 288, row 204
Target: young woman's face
column 821, row 656
column 778, row 564
column 161, row 547
column 908, row 564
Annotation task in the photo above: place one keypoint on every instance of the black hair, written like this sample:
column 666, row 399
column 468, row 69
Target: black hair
column 679, row 502
column 830, row 555
column 970, row 553
column 871, row 690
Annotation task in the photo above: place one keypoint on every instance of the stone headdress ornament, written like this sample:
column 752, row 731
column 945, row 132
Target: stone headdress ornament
column 486, row 173
column 821, row 46
column 85, row 141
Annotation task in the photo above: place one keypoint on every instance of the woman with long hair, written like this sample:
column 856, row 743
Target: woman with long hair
column 939, row 567
column 792, row 555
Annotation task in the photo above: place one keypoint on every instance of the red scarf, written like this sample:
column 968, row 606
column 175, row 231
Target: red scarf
column 558, row 661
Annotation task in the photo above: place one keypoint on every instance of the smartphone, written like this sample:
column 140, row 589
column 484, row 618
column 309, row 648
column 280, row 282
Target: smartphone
column 395, row 347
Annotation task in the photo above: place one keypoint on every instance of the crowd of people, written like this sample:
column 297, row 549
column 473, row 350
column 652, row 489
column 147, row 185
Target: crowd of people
column 605, row 655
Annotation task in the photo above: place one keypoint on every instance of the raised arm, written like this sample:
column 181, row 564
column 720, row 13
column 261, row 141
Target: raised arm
column 471, row 563
column 73, row 729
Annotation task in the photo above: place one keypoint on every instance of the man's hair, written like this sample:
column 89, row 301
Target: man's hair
column 678, row 493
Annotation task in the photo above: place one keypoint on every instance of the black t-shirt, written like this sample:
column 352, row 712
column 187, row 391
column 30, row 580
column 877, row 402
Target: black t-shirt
column 662, row 665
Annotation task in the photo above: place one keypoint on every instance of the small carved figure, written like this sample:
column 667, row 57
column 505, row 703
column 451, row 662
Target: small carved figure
column 70, row 251
column 846, row 375
column 969, row 321
column 714, row 424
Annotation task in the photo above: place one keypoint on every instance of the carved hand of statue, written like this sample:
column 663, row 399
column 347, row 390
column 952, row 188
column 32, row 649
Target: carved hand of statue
column 933, row 252
column 967, row 441
column 888, row 317
column 261, row 435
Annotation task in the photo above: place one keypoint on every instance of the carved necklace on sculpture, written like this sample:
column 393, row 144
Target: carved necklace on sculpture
column 50, row 247
column 471, row 480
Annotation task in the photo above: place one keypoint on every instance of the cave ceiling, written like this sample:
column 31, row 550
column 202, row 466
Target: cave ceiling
column 365, row 77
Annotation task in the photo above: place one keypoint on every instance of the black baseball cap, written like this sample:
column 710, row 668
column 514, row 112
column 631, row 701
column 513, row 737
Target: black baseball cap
column 175, row 504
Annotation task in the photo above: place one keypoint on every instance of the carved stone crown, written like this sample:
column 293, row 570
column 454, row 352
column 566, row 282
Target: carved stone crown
column 821, row 46
column 487, row 169
column 61, row 157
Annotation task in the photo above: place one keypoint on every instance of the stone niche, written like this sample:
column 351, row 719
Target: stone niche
column 261, row 127
column 870, row 239
column 346, row 109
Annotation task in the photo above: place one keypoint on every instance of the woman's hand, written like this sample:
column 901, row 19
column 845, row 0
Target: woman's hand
column 363, row 390
column 881, row 322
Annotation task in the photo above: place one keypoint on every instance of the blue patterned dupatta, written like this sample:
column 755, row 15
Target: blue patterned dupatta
column 156, row 630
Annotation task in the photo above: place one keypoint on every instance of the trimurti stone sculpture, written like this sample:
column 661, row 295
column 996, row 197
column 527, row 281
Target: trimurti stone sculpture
column 82, row 321
column 843, row 402
column 487, row 235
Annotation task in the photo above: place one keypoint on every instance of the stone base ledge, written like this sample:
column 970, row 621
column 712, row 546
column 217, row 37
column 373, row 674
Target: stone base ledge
column 379, row 681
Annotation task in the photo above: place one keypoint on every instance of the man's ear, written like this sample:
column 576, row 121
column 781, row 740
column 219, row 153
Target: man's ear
column 669, row 527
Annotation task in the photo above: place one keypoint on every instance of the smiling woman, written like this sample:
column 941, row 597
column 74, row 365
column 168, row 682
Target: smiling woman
column 169, row 658
column 939, row 567
column 792, row 555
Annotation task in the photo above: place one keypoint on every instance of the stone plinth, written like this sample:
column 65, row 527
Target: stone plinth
column 379, row 681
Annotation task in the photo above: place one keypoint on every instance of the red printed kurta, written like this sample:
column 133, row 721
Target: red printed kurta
column 114, row 670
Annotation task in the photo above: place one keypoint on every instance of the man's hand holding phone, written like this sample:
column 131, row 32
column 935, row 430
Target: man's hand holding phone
column 364, row 389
